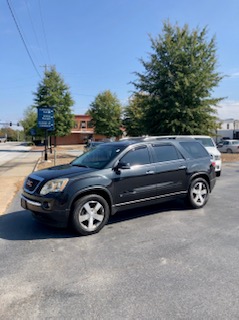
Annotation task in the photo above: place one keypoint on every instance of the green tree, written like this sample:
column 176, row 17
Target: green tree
column 53, row 92
column 178, row 82
column 12, row 135
column 29, row 122
column 134, row 116
column 106, row 111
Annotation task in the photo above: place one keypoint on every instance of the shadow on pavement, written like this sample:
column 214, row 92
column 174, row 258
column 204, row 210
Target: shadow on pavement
column 20, row 225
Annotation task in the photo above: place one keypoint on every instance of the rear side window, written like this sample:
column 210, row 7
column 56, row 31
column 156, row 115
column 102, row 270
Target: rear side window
column 166, row 153
column 195, row 149
column 206, row 142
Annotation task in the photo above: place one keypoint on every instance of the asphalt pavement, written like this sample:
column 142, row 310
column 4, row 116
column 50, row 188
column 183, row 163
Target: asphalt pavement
column 164, row 262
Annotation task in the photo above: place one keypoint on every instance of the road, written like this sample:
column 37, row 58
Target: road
column 164, row 262
column 16, row 162
column 11, row 150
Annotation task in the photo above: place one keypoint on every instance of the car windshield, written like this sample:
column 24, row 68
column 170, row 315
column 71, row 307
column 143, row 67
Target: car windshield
column 206, row 142
column 99, row 157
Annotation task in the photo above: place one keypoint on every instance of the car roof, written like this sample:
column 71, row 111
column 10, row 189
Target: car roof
column 155, row 139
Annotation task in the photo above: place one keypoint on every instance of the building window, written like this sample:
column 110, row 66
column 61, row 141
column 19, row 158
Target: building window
column 76, row 125
column 83, row 124
column 228, row 126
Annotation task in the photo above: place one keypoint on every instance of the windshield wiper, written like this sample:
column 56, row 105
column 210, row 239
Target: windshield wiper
column 79, row 165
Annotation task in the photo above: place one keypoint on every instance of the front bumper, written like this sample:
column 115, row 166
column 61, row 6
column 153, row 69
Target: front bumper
column 47, row 210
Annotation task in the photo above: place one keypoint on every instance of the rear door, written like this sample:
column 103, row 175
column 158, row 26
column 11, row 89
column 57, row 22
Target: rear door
column 171, row 170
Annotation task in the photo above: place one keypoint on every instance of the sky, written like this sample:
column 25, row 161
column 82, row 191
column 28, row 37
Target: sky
column 97, row 46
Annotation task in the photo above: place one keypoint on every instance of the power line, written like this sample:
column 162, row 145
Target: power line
column 33, row 28
column 44, row 32
column 25, row 45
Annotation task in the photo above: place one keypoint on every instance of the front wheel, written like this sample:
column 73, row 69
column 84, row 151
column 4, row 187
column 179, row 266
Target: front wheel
column 229, row 150
column 198, row 193
column 90, row 214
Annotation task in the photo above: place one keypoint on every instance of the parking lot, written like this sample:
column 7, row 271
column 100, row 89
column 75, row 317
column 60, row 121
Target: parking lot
column 162, row 262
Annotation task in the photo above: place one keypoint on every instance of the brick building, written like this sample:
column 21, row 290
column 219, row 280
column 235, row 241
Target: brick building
column 82, row 131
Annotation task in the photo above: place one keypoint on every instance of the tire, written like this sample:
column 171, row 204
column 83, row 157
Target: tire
column 218, row 173
column 229, row 150
column 198, row 193
column 90, row 214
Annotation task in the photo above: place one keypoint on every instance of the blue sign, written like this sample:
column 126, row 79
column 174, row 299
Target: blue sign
column 45, row 119
column 33, row 132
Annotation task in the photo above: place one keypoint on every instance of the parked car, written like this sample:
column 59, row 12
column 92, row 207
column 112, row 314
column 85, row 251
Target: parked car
column 229, row 146
column 92, row 145
column 3, row 139
column 117, row 176
column 212, row 149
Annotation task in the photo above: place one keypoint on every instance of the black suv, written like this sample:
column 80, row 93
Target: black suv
column 117, row 176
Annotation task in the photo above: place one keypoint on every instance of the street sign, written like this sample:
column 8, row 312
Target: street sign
column 45, row 119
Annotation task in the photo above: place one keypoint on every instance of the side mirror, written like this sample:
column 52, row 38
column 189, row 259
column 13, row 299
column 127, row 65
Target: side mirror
column 122, row 166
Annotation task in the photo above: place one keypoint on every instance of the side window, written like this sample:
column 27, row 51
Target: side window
column 138, row 156
column 166, row 153
column 195, row 149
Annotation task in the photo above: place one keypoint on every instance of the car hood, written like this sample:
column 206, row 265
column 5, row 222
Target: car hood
column 213, row 150
column 67, row 171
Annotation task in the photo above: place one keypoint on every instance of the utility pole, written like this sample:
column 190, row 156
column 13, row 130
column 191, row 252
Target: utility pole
column 45, row 66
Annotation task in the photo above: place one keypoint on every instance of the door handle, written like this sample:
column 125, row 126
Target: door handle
column 182, row 167
column 150, row 172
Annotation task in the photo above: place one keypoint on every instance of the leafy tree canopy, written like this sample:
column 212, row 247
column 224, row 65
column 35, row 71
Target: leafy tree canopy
column 134, row 117
column 53, row 92
column 177, row 84
column 105, row 111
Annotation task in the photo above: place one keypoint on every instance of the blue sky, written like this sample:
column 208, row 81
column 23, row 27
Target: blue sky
column 96, row 45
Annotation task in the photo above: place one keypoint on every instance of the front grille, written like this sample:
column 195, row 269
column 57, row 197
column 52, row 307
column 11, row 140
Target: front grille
column 31, row 184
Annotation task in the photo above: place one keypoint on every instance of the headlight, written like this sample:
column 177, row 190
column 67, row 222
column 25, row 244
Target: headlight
column 217, row 157
column 56, row 185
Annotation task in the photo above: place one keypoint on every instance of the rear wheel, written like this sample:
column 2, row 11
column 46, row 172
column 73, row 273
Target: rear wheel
column 90, row 214
column 198, row 193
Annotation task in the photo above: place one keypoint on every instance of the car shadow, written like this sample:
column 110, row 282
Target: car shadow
column 174, row 205
column 20, row 225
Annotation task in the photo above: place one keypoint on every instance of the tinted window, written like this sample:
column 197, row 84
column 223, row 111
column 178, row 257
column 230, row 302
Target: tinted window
column 137, row 156
column 207, row 142
column 166, row 153
column 196, row 150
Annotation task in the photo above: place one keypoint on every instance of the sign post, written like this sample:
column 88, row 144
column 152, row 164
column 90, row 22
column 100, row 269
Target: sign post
column 45, row 120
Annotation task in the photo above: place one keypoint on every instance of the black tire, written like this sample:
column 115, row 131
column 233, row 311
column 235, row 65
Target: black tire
column 198, row 193
column 218, row 173
column 229, row 150
column 90, row 214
